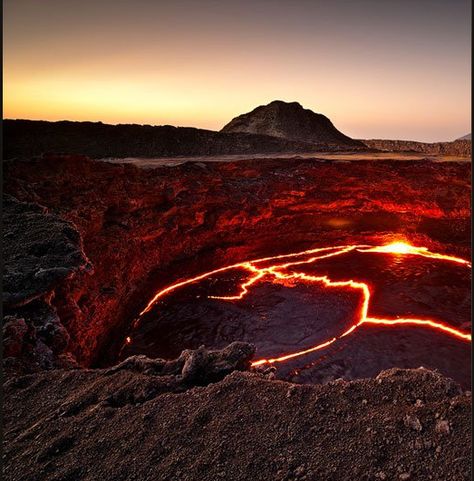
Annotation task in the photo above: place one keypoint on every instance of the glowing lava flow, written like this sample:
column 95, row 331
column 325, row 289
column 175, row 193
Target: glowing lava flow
column 403, row 248
column 244, row 265
column 278, row 273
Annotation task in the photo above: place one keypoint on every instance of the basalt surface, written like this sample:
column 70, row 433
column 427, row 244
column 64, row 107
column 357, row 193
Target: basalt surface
column 40, row 252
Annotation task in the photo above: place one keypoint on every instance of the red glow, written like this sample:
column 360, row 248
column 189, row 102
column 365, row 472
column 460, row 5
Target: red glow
column 403, row 248
column 278, row 273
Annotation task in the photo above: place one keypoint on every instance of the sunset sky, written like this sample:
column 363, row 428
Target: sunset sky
column 377, row 69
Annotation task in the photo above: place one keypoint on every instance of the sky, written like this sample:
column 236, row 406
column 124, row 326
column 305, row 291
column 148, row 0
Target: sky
column 395, row 69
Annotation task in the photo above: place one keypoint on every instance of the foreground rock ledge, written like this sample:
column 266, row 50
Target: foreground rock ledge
column 132, row 423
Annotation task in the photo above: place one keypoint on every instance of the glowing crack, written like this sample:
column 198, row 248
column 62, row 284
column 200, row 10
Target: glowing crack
column 278, row 273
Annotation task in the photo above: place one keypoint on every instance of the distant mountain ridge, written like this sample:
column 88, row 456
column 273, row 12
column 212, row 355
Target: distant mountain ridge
column 27, row 138
column 275, row 128
column 291, row 121
column 458, row 147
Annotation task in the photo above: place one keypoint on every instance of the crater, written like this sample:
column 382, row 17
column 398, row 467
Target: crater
column 147, row 229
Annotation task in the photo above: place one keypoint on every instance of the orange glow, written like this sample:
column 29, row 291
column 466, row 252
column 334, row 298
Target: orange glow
column 278, row 273
column 404, row 248
column 242, row 265
column 188, row 63
column 394, row 248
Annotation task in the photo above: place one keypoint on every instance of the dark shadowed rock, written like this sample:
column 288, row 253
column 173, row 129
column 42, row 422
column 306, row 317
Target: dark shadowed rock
column 289, row 120
column 14, row 332
column 460, row 147
column 26, row 138
column 34, row 338
column 201, row 366
column 39, row 250
column 194, row 367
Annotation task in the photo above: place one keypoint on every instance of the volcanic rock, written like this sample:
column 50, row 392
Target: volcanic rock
column 290, row 121
column 194, row 367
column 40, row 251
column 96, row 424
column 34, row 338
column 460, row 147
column 14, row 333
column 27, row 138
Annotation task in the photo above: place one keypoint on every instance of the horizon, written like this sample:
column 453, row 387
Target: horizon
column 199, row 128
column 392, row 71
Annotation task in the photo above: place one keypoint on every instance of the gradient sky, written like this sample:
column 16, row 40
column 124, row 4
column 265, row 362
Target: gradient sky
column 376, row 68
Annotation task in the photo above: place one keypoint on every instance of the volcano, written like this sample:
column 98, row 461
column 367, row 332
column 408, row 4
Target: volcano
column 208, row 302
column 289, row 120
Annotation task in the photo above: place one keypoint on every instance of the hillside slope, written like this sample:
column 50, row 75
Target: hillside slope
column 290, row 121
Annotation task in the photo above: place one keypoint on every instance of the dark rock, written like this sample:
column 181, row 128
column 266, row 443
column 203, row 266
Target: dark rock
column 460, row 147
column 36, row 337
column 39, row 252
column 27, row 138
column 14, row 332
column 442, row 426
column 194, row 367
column 202, row 366
column 412, row 422
column 290, row 121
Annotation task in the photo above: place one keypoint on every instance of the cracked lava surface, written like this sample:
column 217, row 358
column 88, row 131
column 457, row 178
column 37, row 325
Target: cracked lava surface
column 345, row 320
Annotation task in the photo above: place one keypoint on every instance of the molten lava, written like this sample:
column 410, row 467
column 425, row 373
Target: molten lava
column 279, row 273
column 403, row 248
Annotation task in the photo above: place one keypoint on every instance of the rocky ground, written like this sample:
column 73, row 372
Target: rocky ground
column 461, row 147
column 136, row 423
